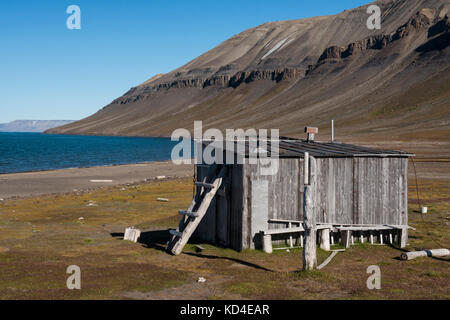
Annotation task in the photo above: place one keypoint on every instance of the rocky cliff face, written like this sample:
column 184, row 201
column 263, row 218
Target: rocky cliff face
column 419, row 22
column 291, row 73
column 215, row 81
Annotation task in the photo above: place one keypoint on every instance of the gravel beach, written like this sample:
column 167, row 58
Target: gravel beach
column 78, row 179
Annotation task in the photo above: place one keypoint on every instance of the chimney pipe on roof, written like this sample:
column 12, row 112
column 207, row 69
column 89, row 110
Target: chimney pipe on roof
column 311, row 132
column 332, row 131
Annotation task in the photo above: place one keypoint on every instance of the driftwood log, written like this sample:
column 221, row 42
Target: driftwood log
column 425, row 253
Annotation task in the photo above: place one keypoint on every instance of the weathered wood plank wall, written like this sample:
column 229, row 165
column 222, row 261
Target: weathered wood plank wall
column 365, row 190
column 237, row 194
column 362, row 190
column 283, row 196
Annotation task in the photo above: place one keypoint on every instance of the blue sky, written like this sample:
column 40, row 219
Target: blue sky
column 50, row 72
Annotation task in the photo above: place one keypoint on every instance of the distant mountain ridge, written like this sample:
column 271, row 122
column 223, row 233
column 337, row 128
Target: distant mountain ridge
column 32, row 125
column 288, row 74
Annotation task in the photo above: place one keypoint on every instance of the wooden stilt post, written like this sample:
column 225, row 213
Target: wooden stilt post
column 291, row 242
column 345, row 238
column 309, row 216
column 403, row 237
column 267, row 243
column 325, row 239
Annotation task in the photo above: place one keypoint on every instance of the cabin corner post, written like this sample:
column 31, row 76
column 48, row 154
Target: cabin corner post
column 309, row 216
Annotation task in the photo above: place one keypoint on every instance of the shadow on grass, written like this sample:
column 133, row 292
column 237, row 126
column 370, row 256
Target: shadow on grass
column 150, row 239
column 159, row 238
column 441, row 259
column 396, row 247
column 245, row 263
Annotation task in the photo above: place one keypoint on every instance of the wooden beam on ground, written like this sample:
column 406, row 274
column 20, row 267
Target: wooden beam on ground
column 286, row 248
column 328, row 260
column 425, row 253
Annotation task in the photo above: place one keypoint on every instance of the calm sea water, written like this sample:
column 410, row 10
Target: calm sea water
column 23, row 152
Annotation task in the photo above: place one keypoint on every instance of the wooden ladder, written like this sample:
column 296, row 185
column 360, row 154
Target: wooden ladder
column 194, row 215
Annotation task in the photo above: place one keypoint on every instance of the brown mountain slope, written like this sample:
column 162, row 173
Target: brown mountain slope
column 290, row 74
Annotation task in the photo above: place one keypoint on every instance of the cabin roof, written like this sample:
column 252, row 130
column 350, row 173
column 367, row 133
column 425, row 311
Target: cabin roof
column 295, row 148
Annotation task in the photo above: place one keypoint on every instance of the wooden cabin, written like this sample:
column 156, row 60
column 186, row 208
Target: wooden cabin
column 360, row 194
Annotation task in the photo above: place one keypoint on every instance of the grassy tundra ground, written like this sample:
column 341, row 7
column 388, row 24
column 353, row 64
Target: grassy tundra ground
column 40, row 237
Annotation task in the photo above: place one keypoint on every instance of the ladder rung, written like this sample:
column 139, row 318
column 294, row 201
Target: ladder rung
column 188, row 213
column 204, row 185
column 176, row 233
